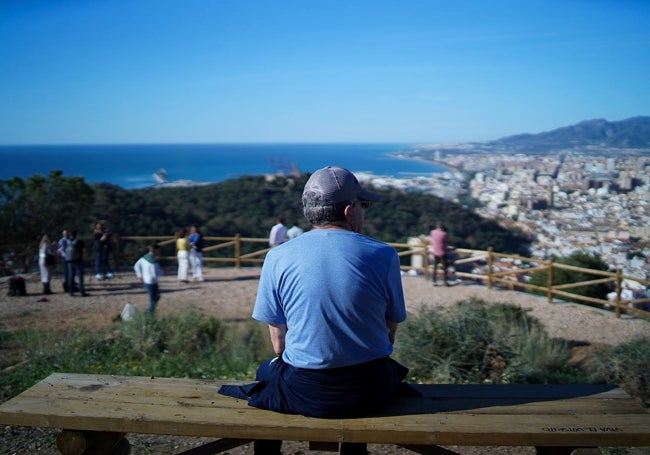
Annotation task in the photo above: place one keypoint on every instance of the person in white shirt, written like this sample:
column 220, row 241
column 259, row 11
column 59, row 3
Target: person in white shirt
column 294, row 231
column 278, row 233
column 148, row 269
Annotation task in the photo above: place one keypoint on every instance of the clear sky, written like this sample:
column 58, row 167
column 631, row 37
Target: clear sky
column 408, row 71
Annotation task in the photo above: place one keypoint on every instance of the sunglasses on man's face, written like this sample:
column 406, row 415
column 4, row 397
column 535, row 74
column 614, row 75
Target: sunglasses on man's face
column 364, row 204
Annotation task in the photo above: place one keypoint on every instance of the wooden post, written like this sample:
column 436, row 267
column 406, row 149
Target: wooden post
column 489, row 266
column 618, row 293
column 425, row 262
column 238, row 251
column 117, row 257
column 549, row 284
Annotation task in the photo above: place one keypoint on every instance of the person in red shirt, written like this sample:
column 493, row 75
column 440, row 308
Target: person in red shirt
column 440, row 251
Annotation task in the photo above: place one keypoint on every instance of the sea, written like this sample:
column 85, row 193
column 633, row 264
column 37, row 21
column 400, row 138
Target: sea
column 134, row 166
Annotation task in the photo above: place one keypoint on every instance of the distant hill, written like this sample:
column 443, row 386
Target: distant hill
column 598, row 136
column 630, row 133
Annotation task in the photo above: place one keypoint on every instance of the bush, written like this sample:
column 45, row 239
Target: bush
column 562, row 276
column 474, row 342
column 190, row 345
column 627, row 365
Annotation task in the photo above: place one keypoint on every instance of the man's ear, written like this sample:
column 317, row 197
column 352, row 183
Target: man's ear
column 348, row 212
column 351, row 219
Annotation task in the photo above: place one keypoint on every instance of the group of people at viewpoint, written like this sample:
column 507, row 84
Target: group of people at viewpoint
column 72, row 252
column 189, row 253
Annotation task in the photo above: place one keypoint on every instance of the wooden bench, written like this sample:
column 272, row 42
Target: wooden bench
column 96, row 411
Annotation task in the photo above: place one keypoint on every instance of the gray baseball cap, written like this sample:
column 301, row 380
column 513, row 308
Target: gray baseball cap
column 335, row 185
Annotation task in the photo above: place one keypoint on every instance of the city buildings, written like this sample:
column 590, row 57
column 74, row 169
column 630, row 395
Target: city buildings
column 596, row 201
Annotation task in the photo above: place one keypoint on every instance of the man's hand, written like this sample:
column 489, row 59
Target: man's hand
column 392, row 329
column 278, row 333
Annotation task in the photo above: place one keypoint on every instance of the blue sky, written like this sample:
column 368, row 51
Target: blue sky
column 408, row 71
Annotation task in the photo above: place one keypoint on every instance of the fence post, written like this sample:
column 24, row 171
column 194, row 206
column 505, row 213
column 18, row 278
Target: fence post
column 549, row 284
column 238, row 251
column 425, row 263
column 117, row 253
column 618, row 293
column 489, row 266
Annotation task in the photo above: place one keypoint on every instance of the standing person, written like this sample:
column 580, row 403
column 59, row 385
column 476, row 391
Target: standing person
column 45, row 263
column 332, row 298
column 60, row 249
column 183, row 255
column 102, row 248
column 148, row 269
column 196, row 253
column 294, row 231
column 440, row 251
column 278, row 234
column 75, row 253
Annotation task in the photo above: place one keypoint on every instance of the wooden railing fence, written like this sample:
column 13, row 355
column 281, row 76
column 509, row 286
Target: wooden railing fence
column 487, row 267
column 481, row 266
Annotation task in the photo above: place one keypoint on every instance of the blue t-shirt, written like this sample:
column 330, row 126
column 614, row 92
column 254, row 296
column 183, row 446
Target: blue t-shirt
column 334, row 290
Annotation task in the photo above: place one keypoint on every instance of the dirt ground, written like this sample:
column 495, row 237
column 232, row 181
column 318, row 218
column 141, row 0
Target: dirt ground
column 230, row 294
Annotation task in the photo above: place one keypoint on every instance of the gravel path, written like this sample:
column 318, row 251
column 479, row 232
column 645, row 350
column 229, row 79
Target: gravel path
column 230, row 294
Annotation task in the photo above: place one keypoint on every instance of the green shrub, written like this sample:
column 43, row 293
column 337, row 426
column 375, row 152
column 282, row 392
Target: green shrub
column 562, row 276
column 190, row 345
column 627, row 365
column 473, row 342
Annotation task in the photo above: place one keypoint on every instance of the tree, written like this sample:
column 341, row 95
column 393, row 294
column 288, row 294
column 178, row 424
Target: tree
column 41, row 205
column 583, row 260
column 248, row 206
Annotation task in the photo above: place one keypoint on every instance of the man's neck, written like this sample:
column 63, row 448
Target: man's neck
column 339, row 225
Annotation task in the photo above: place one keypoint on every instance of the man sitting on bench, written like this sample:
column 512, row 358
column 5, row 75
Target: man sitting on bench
column 332, row 298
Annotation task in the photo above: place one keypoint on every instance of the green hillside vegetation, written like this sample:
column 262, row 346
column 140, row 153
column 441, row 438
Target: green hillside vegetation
column 476, row 342
column 250, row 206
column 247, row 205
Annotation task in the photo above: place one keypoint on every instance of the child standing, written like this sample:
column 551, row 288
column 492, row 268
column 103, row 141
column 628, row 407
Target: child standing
column 149, row 270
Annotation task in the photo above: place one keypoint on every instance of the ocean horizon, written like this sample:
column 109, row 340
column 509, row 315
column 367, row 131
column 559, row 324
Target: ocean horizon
column 133, row 166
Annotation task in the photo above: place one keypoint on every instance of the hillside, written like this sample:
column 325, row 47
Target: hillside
column 248, row 206
column 631, row 133
column 251, row 205
column 598, row 136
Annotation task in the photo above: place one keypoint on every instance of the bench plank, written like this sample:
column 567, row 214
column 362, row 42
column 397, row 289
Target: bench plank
column 508, row 415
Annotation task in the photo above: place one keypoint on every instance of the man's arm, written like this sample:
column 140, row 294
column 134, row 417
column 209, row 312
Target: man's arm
column 278, row 332
column 392, row 329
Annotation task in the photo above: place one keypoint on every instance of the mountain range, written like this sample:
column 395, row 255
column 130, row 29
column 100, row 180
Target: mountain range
column 632, row 133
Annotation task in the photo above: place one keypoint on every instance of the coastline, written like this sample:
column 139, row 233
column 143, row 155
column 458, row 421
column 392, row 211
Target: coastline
column 444, row 166
column 133, row 166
